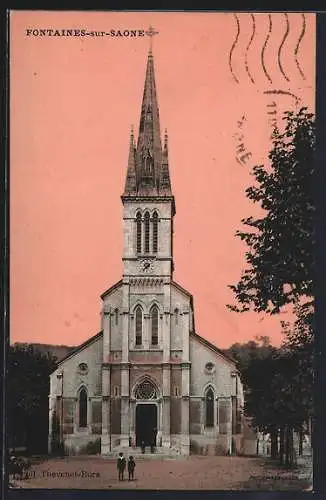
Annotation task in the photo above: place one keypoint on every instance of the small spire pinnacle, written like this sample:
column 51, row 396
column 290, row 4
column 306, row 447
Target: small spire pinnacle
column 130, row 184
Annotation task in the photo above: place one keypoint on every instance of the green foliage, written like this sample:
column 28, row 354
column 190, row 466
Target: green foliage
column 281, row 242
column 28, row 390
column 57, row 447
column 280, row 272
column 274, row 393
column 244, row 354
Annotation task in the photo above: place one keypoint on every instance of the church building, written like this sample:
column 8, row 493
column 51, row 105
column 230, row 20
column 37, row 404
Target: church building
column 147, row 377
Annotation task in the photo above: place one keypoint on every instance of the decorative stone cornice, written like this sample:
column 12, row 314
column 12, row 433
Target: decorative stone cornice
column 146, row 281
column 147, row 256
column 155, row 199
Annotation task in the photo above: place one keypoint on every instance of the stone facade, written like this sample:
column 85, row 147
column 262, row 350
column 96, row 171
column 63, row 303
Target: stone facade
column 147, row 376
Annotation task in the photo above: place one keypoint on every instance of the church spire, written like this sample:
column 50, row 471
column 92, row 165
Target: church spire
column 149, row 148
column 148, row 173
column 130, row 186
column 165, row 183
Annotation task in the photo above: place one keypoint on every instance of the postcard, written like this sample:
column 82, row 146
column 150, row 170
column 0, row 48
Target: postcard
column 160, row 250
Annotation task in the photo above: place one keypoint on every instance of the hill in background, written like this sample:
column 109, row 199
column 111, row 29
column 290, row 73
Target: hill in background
column 58, row 351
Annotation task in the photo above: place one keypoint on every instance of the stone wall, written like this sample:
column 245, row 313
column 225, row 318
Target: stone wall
column 73, row 378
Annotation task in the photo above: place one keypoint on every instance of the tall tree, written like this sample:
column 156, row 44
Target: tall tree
column 280, row 272
column 28, row 388
column 281, row 242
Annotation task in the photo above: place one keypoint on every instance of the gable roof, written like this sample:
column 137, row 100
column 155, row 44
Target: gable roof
column 181, row 289
column 213, row 347
column 113, row 287
column 81, row 347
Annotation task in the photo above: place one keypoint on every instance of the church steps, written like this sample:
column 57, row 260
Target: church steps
column 159, row 454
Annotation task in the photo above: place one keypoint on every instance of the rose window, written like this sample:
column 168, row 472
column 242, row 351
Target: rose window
column 83, row 368
column 146, row 390
column 209, row 368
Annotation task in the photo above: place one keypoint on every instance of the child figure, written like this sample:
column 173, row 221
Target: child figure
column 121, row 465
column 131, row 467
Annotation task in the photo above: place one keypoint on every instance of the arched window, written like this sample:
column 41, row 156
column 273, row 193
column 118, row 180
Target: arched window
column 209, row 408
column 154, row 325
column 138, row 231
column 83, row 408
column 176, row 315
column 139, row 325
column 148, row 164
column 155, row 232
column 116, row 312
column 147, row 232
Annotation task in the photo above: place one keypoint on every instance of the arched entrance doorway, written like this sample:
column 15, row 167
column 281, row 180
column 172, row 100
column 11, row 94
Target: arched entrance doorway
column 146, row 424
column 146, row 417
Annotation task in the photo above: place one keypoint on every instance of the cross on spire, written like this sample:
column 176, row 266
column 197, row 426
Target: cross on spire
column 151, row 32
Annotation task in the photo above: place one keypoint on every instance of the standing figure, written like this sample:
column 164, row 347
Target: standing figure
column 131, row 467
column 121, row 465
column 143, row 447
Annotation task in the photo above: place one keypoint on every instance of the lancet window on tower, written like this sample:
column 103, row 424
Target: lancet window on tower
column 138, row 232
column 82, row 408
column 176, row 315
column 154, row 325
column 155, row 232
column 139, row 325
column 209, row 408
column 148, row 164
column 147, row 229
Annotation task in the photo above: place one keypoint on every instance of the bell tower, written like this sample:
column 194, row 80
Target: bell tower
column 148, row 211
column 148, row 202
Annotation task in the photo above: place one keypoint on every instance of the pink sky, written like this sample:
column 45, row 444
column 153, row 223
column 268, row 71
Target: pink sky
column 72, row 103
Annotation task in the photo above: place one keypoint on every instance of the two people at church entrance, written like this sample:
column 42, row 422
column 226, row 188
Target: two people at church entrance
column 149, row 440
column 121, row 466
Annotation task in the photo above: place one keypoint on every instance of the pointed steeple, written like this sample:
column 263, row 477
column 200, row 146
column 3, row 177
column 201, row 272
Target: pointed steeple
column 149, row 148
column 165, row 183
column 148, row 171
column 131, row 185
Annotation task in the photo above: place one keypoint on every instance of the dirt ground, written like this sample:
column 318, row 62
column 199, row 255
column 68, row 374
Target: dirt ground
column 195, row 473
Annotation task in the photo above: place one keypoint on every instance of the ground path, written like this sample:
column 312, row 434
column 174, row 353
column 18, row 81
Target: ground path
column 195, row 472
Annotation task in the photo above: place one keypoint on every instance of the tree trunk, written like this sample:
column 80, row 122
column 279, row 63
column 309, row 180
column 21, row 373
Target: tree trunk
column 282, row 436
column 289, row 452
column 300, row 441
column 311, row 432
column 286, row 445
column 274, row 444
